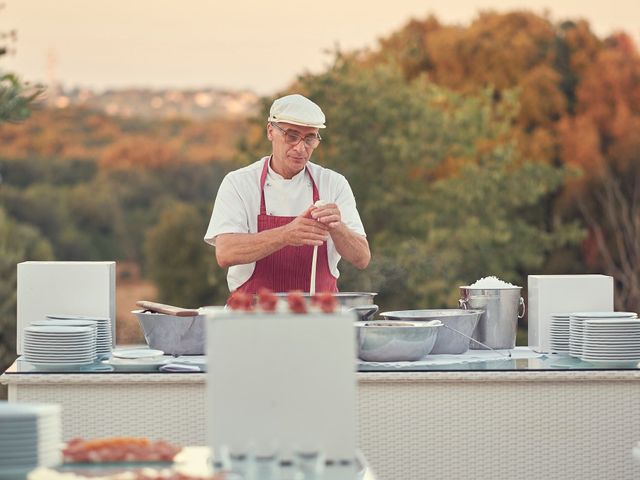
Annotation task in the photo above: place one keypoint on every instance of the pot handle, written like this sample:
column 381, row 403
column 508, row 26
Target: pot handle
column 463, row 303
column 520, row 315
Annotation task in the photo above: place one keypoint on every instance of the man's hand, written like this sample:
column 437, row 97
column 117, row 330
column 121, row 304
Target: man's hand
column 304, row 230
column 352, row 247
column 328, row 215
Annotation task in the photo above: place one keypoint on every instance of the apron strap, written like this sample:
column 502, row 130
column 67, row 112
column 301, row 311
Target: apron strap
column 263, row 179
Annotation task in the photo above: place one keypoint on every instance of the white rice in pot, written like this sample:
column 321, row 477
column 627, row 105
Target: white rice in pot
column 492, row 282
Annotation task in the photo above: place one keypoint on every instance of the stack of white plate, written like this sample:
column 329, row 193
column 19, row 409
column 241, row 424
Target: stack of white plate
column 55, row 346
column 30, row 437
column 576, row 327
column 559, row 333
column 66, row 323
column 612, row 342
column 104, row 344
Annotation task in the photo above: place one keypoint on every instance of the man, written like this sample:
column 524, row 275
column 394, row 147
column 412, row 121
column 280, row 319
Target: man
column 264, row 223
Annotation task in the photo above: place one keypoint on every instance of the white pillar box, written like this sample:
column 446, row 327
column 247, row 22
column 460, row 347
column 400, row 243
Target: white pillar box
column 550, row 294
column 282, row 380
column 69, row 288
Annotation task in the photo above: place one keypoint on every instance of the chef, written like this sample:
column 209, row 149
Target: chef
column 268, row 216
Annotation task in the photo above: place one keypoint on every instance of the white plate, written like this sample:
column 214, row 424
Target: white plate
column 77, row 317
column 55, row 361
column 612, row 355
column 603, row 315
column 613, row 351
column 59, row 349
column 60, row 366
column 65, row 323
column 68, row 353
column 613, row 363
column 135, row 353
column 615, row 346
column 147, row 366
column 69, row 359
column 613, row 322
column 58, row 329
column 59, row 358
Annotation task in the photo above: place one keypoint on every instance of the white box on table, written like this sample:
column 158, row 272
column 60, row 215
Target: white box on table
column 285, row 380
column 74, row 288
column 564, row 294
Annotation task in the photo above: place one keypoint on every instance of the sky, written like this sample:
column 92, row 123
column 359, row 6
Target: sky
column 260, row 45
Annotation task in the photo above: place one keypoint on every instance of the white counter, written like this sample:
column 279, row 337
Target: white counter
column 412, row 425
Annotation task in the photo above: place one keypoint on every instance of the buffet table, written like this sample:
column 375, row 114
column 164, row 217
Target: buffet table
column 513, row 418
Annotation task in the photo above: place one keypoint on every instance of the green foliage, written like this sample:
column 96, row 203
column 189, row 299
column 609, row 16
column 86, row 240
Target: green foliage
column 26, row 171
column 16, row 98
column 18, row 242
column 180, row 263
column 88, row 214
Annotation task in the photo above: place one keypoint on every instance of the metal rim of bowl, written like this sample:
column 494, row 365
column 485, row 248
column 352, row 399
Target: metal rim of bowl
column 394, row 324
column 444, row 313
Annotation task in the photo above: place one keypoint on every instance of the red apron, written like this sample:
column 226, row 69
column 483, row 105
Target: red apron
column 290, row 267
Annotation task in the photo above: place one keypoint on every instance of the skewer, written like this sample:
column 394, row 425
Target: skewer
column 312, row 287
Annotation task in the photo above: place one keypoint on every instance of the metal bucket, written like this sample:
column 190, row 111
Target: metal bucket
column 499, row 321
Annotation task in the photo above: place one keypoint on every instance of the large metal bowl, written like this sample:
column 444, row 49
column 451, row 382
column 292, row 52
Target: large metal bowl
column 346, row 299
column 172, row 334
column 448, row 341
column 392, row 341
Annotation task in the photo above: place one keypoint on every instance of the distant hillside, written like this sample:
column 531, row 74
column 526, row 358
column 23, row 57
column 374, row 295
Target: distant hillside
column 197, row 103
column 81, row 132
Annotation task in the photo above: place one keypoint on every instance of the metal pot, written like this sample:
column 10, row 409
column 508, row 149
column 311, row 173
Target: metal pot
column 502, row 307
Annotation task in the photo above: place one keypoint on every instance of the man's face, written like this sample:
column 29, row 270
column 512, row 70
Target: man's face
column 288, row 160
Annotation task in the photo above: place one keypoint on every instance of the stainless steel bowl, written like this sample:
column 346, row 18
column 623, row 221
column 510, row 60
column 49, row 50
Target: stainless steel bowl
column 393, row 341
column 346, row 299
column 448, row 341
column 172, row 334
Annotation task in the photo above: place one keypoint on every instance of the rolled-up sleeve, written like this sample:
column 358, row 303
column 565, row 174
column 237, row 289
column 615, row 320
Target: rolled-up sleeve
column 346, row 201
column 229, row 213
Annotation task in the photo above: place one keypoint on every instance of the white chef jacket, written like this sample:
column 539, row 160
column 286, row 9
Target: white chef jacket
column 237, row 206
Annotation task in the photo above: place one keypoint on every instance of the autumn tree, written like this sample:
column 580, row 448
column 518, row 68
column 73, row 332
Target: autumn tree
column 603, row 139
column 138, row 152
column 578, row 108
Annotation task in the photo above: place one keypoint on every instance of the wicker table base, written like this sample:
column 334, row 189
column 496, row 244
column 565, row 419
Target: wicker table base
column 412, row 425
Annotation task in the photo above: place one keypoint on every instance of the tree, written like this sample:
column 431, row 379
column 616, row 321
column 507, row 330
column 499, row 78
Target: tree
column 16, row 98
column 18, row 242
column 603, row 140
column 180, row 263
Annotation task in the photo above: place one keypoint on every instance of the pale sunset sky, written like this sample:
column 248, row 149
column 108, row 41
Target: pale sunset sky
column 261, row 45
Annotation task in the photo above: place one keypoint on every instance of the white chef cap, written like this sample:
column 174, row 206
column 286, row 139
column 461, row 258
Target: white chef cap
column 297, row 110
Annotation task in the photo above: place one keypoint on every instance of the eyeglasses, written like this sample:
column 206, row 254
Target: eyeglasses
column 293, row 138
